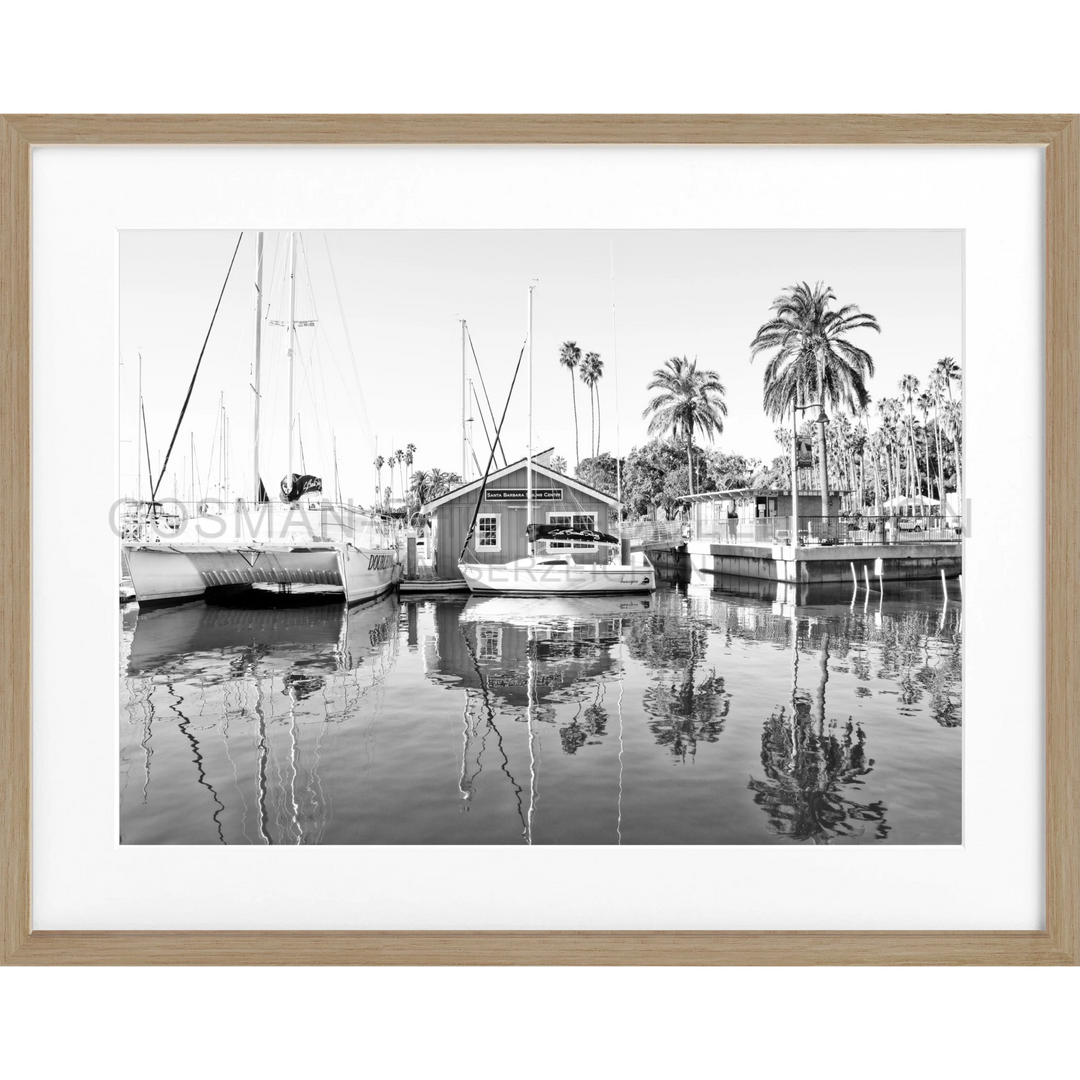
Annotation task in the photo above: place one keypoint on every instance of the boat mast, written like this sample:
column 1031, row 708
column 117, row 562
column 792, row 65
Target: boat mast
column 258, row 353
column 138, row 452
column 615, row 365
column 528, row 448
column 292, row 346
column 464, row 441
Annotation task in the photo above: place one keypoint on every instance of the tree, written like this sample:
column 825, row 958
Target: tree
column 948, row 370
column 418, row 486
column 813, row 359
column 687, row 400
column 398, row 458
column 909, row 392
column 592, row 368
column 379, row 462
column 558, row 463
column 599, row 472
column 926, row 403
column 724, row 472
column 937, row 384
column 570, row 357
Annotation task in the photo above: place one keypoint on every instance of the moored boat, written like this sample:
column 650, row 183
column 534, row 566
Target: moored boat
column 312, row 545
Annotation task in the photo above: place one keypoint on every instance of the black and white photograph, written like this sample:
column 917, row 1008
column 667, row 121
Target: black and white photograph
column 558, row 537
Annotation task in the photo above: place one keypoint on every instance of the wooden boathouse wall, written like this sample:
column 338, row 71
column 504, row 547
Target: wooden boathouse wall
column 451, row 520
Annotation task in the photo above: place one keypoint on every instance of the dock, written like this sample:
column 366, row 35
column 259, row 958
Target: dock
column 823, row 565
column 420, row 576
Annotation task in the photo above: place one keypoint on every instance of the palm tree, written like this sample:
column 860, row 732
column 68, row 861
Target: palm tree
column 909, row 391
column 953, row 428
column 687, row 399
column 814, row 359
column 379, row 462
column 592, row 367
column 439, row 483
column 937, row 382
column 948, row 370
column 569, row 357
column 926, row 403
column 410, row 451
column 859, row 440
column 419, row 485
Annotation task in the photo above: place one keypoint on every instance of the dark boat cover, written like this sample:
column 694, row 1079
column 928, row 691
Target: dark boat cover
column 568, row 535
column 300, row 486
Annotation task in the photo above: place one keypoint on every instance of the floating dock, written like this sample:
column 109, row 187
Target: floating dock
column 433, row 585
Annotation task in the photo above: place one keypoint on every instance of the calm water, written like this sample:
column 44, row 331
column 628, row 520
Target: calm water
column 718, row 718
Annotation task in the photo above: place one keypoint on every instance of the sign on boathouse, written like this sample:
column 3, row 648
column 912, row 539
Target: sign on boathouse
column 521, row 494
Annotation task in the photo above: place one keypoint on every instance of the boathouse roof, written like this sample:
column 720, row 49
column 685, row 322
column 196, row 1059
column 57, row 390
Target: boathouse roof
column 747, row 492
column 538, row 467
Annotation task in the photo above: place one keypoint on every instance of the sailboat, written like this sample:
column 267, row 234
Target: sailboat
column 556, row 571
column 301, row 544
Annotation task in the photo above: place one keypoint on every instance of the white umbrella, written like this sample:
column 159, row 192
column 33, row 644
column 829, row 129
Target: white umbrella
column 903, row 502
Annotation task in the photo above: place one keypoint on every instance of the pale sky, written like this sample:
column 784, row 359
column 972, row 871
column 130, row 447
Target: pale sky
column 677, row 292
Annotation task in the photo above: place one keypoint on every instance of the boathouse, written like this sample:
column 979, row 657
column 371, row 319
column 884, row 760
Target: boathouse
column 499, row 536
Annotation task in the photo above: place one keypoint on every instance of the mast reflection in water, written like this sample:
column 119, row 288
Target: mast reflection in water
column 729, row 717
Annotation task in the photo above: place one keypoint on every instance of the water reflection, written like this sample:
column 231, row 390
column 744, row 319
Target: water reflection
column 256, row 696
column 813, row 764
column 688, row 717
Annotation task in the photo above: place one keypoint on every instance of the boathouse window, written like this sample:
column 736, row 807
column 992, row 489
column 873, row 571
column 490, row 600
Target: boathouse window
column 489, row 641
column 571, row 521
column 487, row 533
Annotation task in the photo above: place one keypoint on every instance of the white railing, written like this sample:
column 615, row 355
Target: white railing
column 641, row 533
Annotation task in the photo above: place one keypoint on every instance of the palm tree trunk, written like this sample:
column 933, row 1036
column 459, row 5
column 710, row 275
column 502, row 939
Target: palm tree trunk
column 592, row 418
column 877, row 478
column 823, row 468
column 573, row 394
column 598, row 421
column 959, row 475
column 956, row 454
column 913, row 473
column 926, row 458
column 940, row 463
column 690, row 458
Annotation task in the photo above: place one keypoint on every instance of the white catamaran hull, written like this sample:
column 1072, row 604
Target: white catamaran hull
column 170, row 572
column 541, row 577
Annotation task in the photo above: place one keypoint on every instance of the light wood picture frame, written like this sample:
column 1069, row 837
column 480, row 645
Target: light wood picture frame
column 1058, row 943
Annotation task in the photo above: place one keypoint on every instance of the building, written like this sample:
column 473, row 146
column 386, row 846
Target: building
column 499, row 536
column 754, row 514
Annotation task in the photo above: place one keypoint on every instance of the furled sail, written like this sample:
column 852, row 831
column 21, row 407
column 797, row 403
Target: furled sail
column 569, row 535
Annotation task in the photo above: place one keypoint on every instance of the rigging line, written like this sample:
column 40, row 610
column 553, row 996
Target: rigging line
column 491, row 458
column 350, row 394
column 146, row 443
column 483, row 386
column 360, row 412
column 198, row 364
column 487, row 437
column 306, row 365
column 213, row 446
column 348, row 336
column 485, row 697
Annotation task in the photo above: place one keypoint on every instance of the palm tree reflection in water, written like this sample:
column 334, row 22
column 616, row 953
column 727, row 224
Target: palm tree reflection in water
column 683, row 708
column 811, row 764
